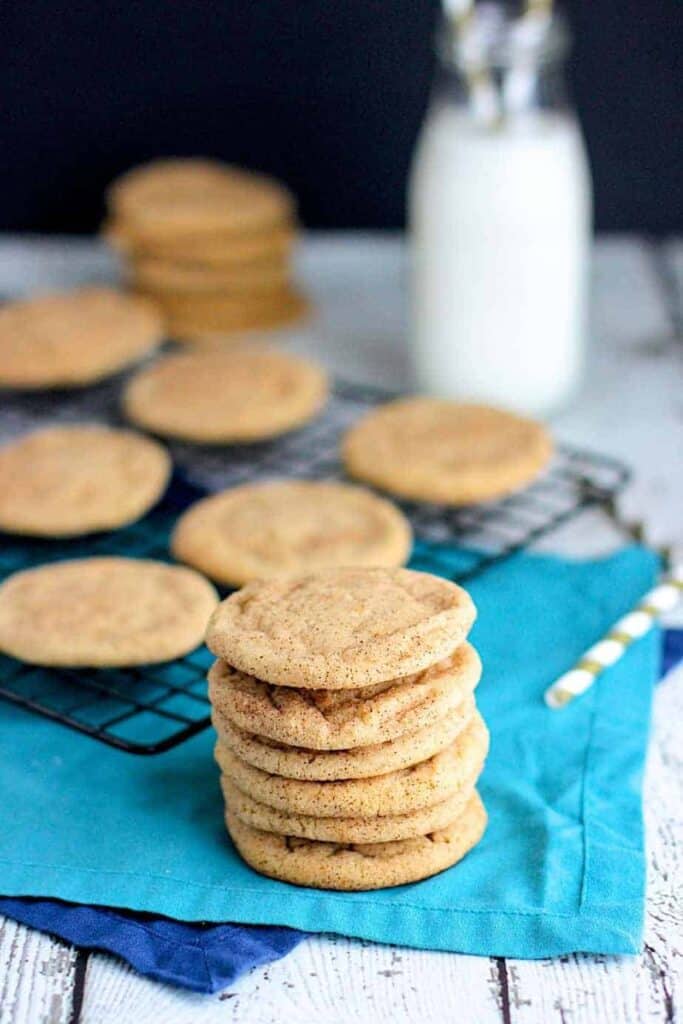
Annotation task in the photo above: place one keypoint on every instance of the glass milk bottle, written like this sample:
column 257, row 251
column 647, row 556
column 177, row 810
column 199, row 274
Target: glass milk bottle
column 500, row 218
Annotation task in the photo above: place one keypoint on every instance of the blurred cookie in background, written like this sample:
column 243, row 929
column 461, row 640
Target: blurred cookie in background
column 191, row 195
column 210, row 243
column 223, row 396
column 212, row 251
column 227, row 315
column 75, row 338
column 289, row 526
column 71, row 480
column 432, row 449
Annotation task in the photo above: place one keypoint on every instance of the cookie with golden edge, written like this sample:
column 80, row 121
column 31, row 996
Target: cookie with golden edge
column 431, row 449
column 457, row 767
column 358, row 866
column 196, row 315
column 341, row 628
column 213, row 251
column 344, row 830
column 70, row 339
column 103, row 612
column 71, row 480
column 225, row 396
column 172, row 197
column 339, row 719
column 253, row 280
column 199, row 326
column 355, row 763
column 258, row 531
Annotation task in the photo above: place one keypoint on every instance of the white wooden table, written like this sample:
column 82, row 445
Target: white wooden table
column 632, row 407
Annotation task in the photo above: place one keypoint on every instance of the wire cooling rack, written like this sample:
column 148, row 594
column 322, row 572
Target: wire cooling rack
column 150, row 709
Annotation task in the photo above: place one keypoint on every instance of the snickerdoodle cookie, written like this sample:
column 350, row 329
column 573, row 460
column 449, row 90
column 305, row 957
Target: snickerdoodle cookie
column 222, row 396
column 258, row 531
column 69, row 339
column 104, row 611
column 173, row 197
column 355, row 763
column 358, row 866
column 341, row 628
column 382, row 829
column 430, row 449
column 70, row 480
column 339, row 719
column 454, row 768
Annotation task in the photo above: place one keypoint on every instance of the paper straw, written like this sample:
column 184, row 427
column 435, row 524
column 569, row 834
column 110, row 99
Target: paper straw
column 608, row 651
column 527, row 33
column 480, row 84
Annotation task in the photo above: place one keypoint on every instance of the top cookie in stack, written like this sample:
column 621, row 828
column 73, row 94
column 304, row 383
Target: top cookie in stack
column 348, row 737
column 210, row 243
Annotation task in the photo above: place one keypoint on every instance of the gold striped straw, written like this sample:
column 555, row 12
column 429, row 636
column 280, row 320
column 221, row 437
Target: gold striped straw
column 526, row 35
column 608, row 651
column 480, row 84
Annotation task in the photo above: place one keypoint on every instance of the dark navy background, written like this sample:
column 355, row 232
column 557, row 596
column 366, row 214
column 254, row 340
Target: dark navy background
column 329, row 96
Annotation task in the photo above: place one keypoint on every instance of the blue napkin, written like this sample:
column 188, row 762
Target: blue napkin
column 203, row 958
column 561, row 867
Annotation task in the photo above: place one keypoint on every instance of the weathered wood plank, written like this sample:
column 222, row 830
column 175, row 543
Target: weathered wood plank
column 327, row 980
column 36, row 977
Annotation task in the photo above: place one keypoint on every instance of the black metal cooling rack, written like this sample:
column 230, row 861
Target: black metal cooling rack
column 150, row 709
column 142, row 710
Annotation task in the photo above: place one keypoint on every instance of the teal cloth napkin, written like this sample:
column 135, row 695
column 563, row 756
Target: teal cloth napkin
column 561, row 867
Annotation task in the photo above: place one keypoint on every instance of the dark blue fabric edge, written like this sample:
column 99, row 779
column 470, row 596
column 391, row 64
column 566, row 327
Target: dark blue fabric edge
column 213, row 959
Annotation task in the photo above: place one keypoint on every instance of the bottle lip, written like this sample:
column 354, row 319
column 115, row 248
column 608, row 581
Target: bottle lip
column 497, row 39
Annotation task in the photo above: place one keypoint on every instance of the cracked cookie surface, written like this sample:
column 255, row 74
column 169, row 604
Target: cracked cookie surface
column 341, row 628
column 457, row 766
column 339, row 719
column 354, row 763
column 258, row 531
column 358, row 866
column 379, row 829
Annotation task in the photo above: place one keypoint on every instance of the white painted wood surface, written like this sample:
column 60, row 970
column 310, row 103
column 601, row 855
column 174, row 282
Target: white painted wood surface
column 632, row 406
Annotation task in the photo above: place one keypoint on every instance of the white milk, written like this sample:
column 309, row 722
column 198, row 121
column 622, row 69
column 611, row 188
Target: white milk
column 500, row 221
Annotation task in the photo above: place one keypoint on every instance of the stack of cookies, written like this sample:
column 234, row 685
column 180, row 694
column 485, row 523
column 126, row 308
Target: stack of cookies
column 209, row 243
column 349, row 742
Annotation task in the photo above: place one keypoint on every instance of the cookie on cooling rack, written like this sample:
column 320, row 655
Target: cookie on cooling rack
column 431, row 449
column 273, row 529
column 69, row 339
column 70, row 480
column 104, row 612
column 225, row 396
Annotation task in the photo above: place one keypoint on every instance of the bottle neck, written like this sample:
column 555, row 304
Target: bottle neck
column 505, row 70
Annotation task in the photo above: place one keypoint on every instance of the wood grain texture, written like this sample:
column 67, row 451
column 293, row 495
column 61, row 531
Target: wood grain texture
column 329, row 980
column 36, row 977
